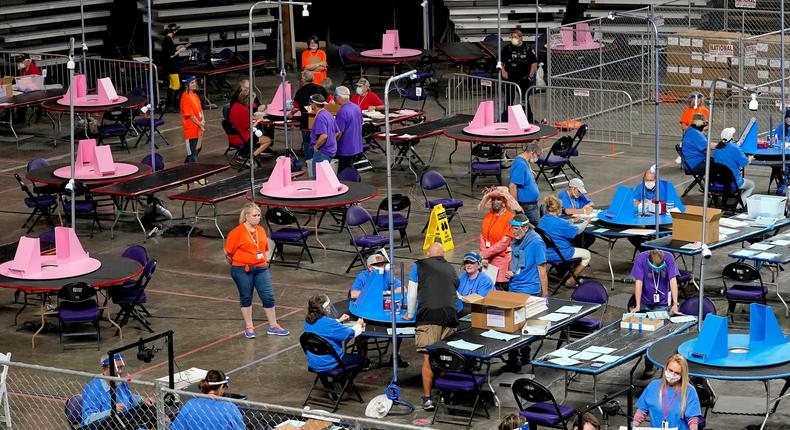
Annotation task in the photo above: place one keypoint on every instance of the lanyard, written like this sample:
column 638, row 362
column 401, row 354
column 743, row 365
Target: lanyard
column 254, row 239
column 472, row 283
column 656, row 279
column 487, row 231
column 666, row 406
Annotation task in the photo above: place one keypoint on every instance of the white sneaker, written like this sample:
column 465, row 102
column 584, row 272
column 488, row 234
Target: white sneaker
column 677, row 160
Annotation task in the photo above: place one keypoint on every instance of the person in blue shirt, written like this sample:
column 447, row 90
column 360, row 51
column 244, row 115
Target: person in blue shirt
column 562, row 232
column 574, row 199
column 645, row 191
column 527, row 272
column 374, row 273
column 778, row 130
column 333, row 331
column 670, row 402
column 132, row 409
column 522, row 182
column 201, row 413
column 472, row 280
column 694, row 145
column 732, row 156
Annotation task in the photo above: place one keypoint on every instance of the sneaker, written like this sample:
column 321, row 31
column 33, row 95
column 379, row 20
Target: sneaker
column 278, row 331
column 427, row 404
column 249, row 333
column 202, row 181
column 402, row 363
column 677, row 160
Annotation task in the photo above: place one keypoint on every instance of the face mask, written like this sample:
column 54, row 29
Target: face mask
column 380, row 270
column 514, row 42
column 650, row 185
column 20, row 66
column 359, row 91
column 497, row 206
column 671, row 377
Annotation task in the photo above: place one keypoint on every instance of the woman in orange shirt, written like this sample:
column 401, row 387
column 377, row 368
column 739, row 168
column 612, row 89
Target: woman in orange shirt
column 192, row 120
column 314, row 60
column 245, row 250
column 496, row 235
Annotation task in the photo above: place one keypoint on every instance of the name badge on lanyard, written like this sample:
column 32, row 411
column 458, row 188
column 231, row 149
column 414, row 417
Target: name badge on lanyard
column 260, row 255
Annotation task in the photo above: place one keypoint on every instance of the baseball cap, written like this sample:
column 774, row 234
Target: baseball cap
column 317, row 99
column 376, row 259
column 190, row 79
column 105, row 361
column 727, row 133
column 520, row 220
column 578, row 184
column 472, row 257
column 342, row 92
column 363, row 82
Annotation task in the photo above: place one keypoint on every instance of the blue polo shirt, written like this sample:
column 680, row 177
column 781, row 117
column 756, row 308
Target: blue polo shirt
column 481, row 285
column 693, row 147
column 561, row 232
column 325, row 124
column 521, row 176
column 333, row 332
column 667, row 193
column 349, row 121
column 733, row 157
column 367, row 277
column 569, row 202
column 527, row 254
column 650, row 403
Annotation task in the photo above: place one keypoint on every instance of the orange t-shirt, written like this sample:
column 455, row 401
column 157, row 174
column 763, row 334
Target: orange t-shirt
column 191, row 106
column 309, row 57
column 242, row 247
column 495, row 227
column 689, row 113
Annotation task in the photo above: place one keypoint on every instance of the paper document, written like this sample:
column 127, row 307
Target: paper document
column 745, row 253
column 600, row 230
column 563, row 352
column 495, row 317
column 692, row 245
column 569, row 309
column 600, row 349
column 553, row 317
column 781, row 242
column 741, row 216
column 766, row 255
column 493, row 334
column 608, row 358
column 405, row 136
column 682, row 319
column 725, row 230
column 585, row 355
column 492, row 271
column 658, row 315
column 731, row 223
column 462, row 344
column 402, row 330
column 647, row 428
column 562, row 361
column 466, row 318
column 638, row 231
column 761, row 246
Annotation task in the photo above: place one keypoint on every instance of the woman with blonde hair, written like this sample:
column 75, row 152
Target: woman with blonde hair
column 495, row 234
column 562, row 231
column 210, row 413
column 670, row 402
column 245, row 250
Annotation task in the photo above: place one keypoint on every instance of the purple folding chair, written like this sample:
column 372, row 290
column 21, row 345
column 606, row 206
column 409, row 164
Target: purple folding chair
column 348, row 174
column 292, row 236
column 157, row 164
column 73, row 411
column 457, row 379
column 690, row 306
column 77, row 306
column 589, row 291
column 555, row 162
column 144, row 125
column 137, row 253
column 351, row 70
column 40, row 163
column 400, row 220
column 485, row 161
column 745, row 285
column 562, row 267
column 432, row 180
column 132, row 298
column 364, row 244
column 43, row 206
column 543, row 409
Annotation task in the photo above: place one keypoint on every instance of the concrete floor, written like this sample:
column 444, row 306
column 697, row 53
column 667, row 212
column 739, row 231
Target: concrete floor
column 192, row 292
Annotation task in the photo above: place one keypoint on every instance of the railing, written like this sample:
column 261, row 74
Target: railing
column 465, row 92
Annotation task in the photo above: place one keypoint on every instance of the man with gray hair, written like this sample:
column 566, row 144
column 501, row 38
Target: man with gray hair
column 349, row 122
column 301, row 102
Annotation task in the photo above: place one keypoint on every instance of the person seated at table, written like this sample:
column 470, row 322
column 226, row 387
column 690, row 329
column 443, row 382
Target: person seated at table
column 472, row 280
column 694, row 144
column 314, row 60
column 330, row 89
column 239, row 117
column 587, row 422
column 366, row 99
column 782, row 131
column 562, row 231
column 731, row 155
column 27, row 67
column 495, row 232
column 645, row 191
column 574, row 199
column 210, row 414
column 670, row 402
column 133, row 409
column 695, row 106
column 374, row 273
column 301, row 102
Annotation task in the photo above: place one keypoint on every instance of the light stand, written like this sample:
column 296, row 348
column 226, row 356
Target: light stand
column 85, row 45
column 151, row 102
column 705, row 252
column 393, row 392
column 497, row 104
column 251, row 74
column 71, row 185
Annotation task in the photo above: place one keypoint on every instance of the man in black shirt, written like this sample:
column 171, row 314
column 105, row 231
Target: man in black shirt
column 433, row 293
column 169, row 65
column 301, row 103
column 519, row 65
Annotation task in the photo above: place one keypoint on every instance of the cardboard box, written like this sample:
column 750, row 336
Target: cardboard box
column 331, row 107
column 6, row 86
column 641, row 324
column 313, row 424
column 687, row 226
column 500, row 310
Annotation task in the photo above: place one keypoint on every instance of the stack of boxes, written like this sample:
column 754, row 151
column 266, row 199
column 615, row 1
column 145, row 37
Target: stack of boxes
column 761, row 63
column 696, row 57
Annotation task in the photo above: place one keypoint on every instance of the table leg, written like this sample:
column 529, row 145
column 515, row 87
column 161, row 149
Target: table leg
column 775, row 278
column 41, row 327
column 118, row 210
column 782, row 394
column 497, row 403
column 595, row 388
column 317, row 239
column 139, row 221
column 215, row 222
column 194, row 222
column 767, row 403
column 609, row 260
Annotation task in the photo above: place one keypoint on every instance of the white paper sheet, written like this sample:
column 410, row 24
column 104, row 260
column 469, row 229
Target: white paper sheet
column 638, row 231
column 401, row 330
column 608, row 358
column 493, row 334
column 563, row 352
column 725, row 230
column 462, row 344
column 553, row 317
column 585, row 355
column 682, row 319
column 745, row 253
column 732, row 223
column 562, row 361
column 761, row 246
column 781, row 242
column 692, row 245
column 569, row 309
column 600, row 349
column 766, row 255
column 600, row 230
column 495, row 317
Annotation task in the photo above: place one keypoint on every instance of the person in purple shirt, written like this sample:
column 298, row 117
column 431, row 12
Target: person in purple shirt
column 349, row 124
column 322, row 135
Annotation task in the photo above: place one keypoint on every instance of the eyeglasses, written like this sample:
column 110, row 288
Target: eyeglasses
column 470, row 262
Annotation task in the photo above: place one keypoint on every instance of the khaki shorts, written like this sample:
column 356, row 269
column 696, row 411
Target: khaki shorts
column 428, row 334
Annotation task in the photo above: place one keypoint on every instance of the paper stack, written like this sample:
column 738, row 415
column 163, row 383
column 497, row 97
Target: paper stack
column 534, row 306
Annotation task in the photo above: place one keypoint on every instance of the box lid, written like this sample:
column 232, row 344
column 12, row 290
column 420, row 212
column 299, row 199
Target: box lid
column 694, row 213
column 505, row 299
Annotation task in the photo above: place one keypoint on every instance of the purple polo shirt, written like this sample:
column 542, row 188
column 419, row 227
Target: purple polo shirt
column 349, row 122
column 325, row 124
column 643, row 272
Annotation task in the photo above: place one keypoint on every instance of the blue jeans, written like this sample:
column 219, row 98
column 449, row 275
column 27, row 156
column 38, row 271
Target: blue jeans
column 193, row 156
column 649, row 308
column 318, row 157
column 531, row 211
column 259, row 279
column 307, row 146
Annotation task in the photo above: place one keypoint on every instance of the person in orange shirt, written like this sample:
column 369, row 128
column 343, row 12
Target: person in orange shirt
column 192, row 120
column 696, row 106
column 245, row 250
column 314, row 60
column 496, row 234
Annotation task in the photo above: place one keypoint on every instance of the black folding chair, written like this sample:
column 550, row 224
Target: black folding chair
column 132, row 299
column 698, row 180
column 555, row 162
column 562, row 267
column 723, row 186
column 341, row 376
column 292, row 236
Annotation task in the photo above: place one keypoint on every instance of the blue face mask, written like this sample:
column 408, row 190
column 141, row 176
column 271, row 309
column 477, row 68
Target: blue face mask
column 359, row 91
column 657, row 268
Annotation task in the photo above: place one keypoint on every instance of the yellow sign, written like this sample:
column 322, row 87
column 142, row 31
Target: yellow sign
column 438, row 229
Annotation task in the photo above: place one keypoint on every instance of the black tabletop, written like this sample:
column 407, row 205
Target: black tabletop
column 357, row 192
column 131, row 102
column 676, row 246
column 46, row 175
column 661, row 350
column 457, row 132
column 494, row 348
column 221, row 190
column 462, row 51
column 379, row 329
column 30, row 98
column 162, row 179
column 114, row 270
column 429, row 128
column 628, row 344
column 616, row 231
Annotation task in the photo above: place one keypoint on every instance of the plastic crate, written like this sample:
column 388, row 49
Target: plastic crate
column 760, row 205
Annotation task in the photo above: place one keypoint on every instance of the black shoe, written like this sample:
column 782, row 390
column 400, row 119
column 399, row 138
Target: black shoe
column 402, row 363
column 648, row 374
column 427, row 404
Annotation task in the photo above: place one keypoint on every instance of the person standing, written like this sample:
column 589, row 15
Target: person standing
column 209, row 414
column 527, row 272
column 522, row 182
column 192, row 120
column 314, row 60
column 349, row 125
column 432, row 298
column 324, row 132
column 301, row 103
column 245, row 251
column 670, row 402
column 169, row 65
column 495, row 232
column 519, row 66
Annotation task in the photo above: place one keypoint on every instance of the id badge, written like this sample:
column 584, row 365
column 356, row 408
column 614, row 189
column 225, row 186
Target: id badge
column 664, row 424
column 488, row 244
column 260, row 255
column 656, row 298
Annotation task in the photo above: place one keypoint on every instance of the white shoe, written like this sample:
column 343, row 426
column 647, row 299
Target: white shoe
column 677, row 160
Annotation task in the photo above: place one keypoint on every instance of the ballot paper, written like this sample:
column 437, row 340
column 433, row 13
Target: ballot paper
column 492, row 271
column 493, row 334
column 746, row 253
column 570, row 309
column 766, row 255
column 638, row 231
column 606, row 358
column 462, row 344
column 600, row 230
column 599, row 349
column 732, row 223
column 402, row 330
column 554, row 317
column 781, row 242
column 406, row 136
column 761, row 246
column 682, row 319
column 658, row 315
column 692, row 245
column 585, row 355
column 563, row 361
column 727, row 231
column 563, row 352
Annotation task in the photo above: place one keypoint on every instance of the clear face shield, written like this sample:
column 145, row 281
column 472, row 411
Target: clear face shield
column 695, row 100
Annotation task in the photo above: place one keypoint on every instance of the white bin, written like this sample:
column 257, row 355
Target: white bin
column 766, row 206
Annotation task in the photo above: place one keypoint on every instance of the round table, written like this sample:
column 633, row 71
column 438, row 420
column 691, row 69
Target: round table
column 355, row 57
column 45, row 175
column 132, row 102
column 357, row 192
column 114, row 270
column 660, row 351
column 458, row 134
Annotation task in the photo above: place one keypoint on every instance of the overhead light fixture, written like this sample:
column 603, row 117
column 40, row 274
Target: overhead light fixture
column 610, row 15
column 753, row 103
column 424, row 3
column 305, row 12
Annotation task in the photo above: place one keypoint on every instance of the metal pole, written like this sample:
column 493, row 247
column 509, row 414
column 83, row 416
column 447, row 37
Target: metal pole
column 151, row 82
column 84, row 45
column 70, row 66
column 498, row 103
column 782, row 71
column 426, row 32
